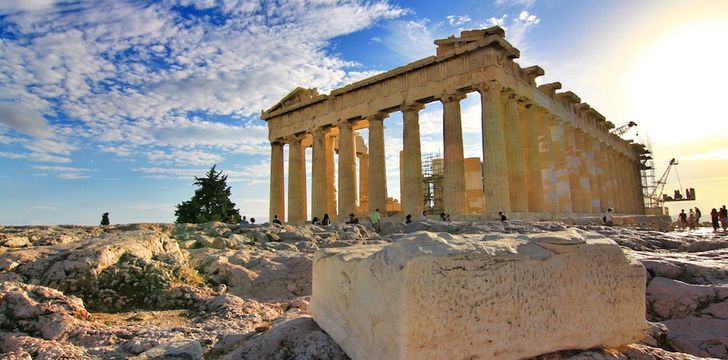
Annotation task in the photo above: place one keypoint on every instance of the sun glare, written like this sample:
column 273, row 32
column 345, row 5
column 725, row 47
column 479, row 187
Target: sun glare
column 676, row 87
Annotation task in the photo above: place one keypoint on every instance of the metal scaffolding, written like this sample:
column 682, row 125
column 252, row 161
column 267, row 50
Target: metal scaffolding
column 433, row 175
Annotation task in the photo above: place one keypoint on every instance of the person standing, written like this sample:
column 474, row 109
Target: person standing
column 408, row 219
column 691, row 220
column 698, row 214
column 683, row 218
column 723, row 217
column 714, row 219
column 276, row 220
column 326, row 221
column 375, row 218
column 502, row 216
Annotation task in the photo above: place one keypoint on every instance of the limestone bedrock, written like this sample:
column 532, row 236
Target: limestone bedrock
column 443, row 296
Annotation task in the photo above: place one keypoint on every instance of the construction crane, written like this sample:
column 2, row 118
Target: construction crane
column 656, row 198
column 621, row 130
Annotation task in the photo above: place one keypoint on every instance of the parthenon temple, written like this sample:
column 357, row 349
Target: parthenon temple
column 545, row 154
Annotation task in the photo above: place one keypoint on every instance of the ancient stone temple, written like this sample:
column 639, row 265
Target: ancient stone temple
column 546, row 154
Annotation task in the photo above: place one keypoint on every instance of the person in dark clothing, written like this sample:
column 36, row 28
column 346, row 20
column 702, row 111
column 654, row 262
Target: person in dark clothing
column 276, row 220
column 408, row 219
column 683, row 217
column 502, row 216
column 105, row 219
column 353, row 219
column 715, row 219
column 326, row 221
column 315, row 221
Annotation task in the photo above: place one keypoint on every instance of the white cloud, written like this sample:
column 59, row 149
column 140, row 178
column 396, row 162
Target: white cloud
column 63, row 172
column 517, row 28
column 131, row 75
column 526, row 3
column 458, row 20
column 718, row 154
column 24, row 120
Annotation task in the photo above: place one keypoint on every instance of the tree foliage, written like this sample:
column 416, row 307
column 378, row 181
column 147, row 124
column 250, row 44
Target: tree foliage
column 211, row 201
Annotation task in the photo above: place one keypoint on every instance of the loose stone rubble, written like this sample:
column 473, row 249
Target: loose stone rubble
column 226, row 291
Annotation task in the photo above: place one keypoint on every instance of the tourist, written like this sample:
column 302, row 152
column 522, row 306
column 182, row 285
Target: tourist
column 443, row 217
column 609, row 217
column 424, row 215
column 353, row 220
column 276, row 220
column 105, row 219
column 698, row 214
column 252, row 221
column 315, row 221
column 244, row 221
column 375, row 218
column 502, row 216
column 723, row 217
column 408, row 219
column 683, row 218
column 715, row 219
column 326, row 221
column 691, row 220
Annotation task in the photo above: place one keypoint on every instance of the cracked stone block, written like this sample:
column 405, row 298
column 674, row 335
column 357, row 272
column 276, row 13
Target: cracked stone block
column 443, row 296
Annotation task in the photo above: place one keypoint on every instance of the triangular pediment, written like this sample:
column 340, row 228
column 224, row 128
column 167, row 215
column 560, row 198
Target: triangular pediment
column 298, row 95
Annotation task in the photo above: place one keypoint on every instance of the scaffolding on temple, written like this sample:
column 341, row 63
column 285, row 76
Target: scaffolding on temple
column 433, row 175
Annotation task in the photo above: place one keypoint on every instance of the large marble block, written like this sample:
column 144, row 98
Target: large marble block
column 442, row 296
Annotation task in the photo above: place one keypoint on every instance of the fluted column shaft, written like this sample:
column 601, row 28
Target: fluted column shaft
column 377, row 165
column 608, row 177
column 319, row 191
column 363, row 183
column 412, row 179
column 577, row 193
column 615, row 177
column 516, row 159
column 347, row 170
column 330, row 176
column 296, row 181
column 581, row 153
column 496, row 188
column 547, row 167
column 529, row 138
column 454, row 180
column 563, row 188
column 277, row 187
column 591, row 147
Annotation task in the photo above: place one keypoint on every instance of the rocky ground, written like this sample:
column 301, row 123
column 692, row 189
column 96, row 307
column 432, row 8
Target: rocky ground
column 218, row 291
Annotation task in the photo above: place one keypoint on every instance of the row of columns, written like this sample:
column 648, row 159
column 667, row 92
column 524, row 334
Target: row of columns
column 532, row 162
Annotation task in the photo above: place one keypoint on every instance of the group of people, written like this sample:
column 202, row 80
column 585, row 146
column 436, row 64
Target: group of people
column 244, row 221
column 690, row 220
column 719, row 218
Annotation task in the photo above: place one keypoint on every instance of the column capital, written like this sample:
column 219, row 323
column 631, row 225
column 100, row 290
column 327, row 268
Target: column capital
column 452, row 97
column 320, row 130
column 278, row 142
column 411, row 107
column 378, row 116
column 489, row 87
column 295, row 138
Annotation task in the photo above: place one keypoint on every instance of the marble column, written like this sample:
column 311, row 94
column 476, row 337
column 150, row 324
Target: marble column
column 516, row 159
column 347, row 170
column 583, row 166
column 547, row 168
column 591, row 147
column 454, row 179
column 573, row 169
column 296, row 181
column 563, row 188
column 277, row 187
column 319, row 190
column 616, row 186
column 363, row 182
column 377, row 188
column 496, row 188
column 330, row 176
column 529, row 138
column 608, row 177
column 412, row 192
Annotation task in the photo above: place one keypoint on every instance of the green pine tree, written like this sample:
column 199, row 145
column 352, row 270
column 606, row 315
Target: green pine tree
column 211, row 201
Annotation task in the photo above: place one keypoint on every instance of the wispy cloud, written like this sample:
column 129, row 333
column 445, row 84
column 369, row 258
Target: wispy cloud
column 63, row 172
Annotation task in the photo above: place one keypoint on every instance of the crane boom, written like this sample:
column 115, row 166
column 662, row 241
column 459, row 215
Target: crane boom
column 621, row 130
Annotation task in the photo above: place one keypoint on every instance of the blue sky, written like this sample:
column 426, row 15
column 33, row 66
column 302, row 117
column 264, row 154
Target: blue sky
column 116, row 105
